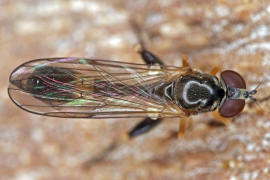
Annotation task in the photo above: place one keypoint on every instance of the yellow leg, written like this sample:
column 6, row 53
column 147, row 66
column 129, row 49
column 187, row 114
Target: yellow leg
column 182, row 128
column 215, row 70
column 138, row 48
column 124, row 137
column 185, row 61
column 183, row 125
column 224, row 120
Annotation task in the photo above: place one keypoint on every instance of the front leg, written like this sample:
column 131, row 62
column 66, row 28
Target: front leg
column 225, row 121
column 144, row 126
column 215, row 70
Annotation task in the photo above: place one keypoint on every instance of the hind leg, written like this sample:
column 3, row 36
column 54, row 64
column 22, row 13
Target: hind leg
column 148, row 57
column 144, row 126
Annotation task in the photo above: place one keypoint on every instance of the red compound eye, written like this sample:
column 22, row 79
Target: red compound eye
column 232, row 107
column 233, row 79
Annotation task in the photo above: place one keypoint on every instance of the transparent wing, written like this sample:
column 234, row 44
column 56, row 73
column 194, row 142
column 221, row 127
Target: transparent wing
column 90, row 88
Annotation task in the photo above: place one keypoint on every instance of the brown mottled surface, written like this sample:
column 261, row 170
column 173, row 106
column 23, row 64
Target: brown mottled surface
column 234, row 34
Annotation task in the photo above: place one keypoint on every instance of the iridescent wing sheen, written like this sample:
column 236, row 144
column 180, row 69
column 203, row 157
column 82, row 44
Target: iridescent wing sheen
column 90, row 88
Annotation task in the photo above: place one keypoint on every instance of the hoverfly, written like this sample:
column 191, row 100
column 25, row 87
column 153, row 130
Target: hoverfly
column 92, row 88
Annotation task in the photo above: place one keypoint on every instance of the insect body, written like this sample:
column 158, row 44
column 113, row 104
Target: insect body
column 90, row 88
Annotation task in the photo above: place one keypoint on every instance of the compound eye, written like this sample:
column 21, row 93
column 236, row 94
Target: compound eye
column 231, row 107
column 233, row 79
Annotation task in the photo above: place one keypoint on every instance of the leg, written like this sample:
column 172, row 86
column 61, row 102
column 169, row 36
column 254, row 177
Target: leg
column 100, row 157
column 215, row 70
column 185, row 61
column 144, row 126
column 221, row 119
column 148, row 57
column 215, row 124
column 184, row 124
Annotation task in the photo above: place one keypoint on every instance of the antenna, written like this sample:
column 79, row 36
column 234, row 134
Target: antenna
column 253, row 92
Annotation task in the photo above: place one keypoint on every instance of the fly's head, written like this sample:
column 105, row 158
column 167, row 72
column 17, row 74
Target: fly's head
column 234, row 86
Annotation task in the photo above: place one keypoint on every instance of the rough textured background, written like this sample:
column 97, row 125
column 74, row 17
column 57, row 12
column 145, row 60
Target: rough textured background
column 233, row 34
